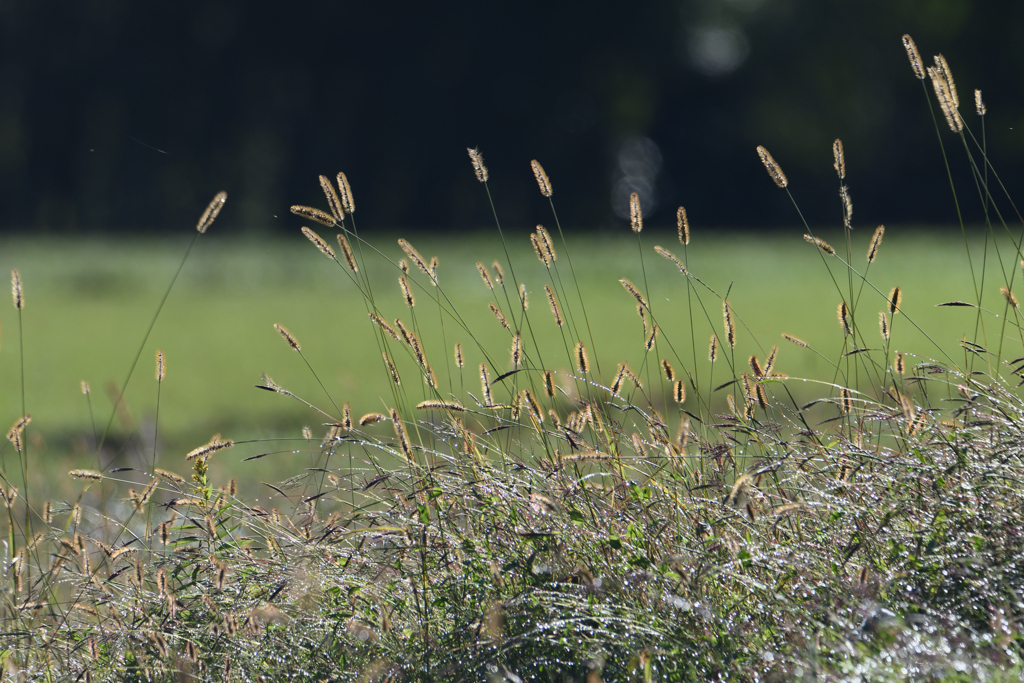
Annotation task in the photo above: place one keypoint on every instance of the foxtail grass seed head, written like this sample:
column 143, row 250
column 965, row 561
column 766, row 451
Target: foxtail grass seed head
column 414, row 256
column 403, row 438
column 620, row 375
column 651, row 338
column 631, row 288
column 636, row 216
column 288, row 336
column 843, row 314
column 844, row 195
column 821, row 244
column 883, row 325
column 477, row 160
column 215, row 444
column 761, row 395
column 485, row 385
column 945, row 93
column 517, row 350
column 876, row 241
column 346, row 417
column 453, row 406
column 679, row 391
column 313, row 214
column 542, row 178
column 556, row 310
column 666, row 367
column 86, row 389
column 459, row 360
column 536, row 412
column 774, row 170
column 319, row 242
column 549, row 384
column 348, row 203
column 730, row 326
column 769, row 363
column 371, row 418
column 538, row 249
column 582, row 360
column 914, row 56
column 499, row 315
column 383, row 324
column 392, row 370
column 88, row 475
column 895, row 299
column 346, row 252
column 403, row 265
column 333, row 201
column 484, row 275
column 499, row 273
column 942, row 65
column 979, row 104
column 433, row 270
column 410, row 300
column 161, row 366
column 846, row 402
column 523, row 299
column 713, row 348
column 898, row 365
column 840, row 158
column 683, row 225
column 665, row 253
column 16, row 292
column 1008, row 295
column 547, row 246
column 212, row 211
column 48, row 513
column 755, row 366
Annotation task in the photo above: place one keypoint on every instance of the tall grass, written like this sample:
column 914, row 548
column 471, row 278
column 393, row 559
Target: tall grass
column 540, row 512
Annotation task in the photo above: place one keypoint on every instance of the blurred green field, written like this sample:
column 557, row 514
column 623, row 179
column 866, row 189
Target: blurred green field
column 89, row 301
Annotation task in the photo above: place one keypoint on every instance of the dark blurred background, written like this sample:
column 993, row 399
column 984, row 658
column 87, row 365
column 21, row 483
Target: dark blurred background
column 127, row 115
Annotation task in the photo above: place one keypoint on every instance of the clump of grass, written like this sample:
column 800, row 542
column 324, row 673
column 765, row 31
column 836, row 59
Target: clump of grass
column 564, row 522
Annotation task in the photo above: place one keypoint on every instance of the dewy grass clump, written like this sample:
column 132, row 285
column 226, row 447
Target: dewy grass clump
column 574, row 518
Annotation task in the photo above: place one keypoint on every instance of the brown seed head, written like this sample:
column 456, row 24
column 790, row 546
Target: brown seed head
column 774, row 170
column 484, row 275
column 895, row 299
column 485, row 384
column 755, row 367
column 898, row 364
column 383, row 324
column 683, row 225
column 555, row 308
column 620, row 375
column 346, row 417
column 459, row 361
column 730, row 326
column 883, row 325
column 161, row 366
column 288, row 336
column 453, row 406
column 844, row 195
column 845, row 401
column 333, row 201
column 392, row 370
column 90, row 475
column 499, row 315
column 403, row 438
column 542, row 178
column 713, row 348
column 1008, row 295
column 371, row 418
column 215, row 444
column 410, row 300
column 319, row 242
column 212, row 211
column 415, row 256
column 795, row 340
column 820, row 243
column 547, row 246
column 665, row 253
column 914, row 56
column 477, row 160
column 313, row 214
column 549, row 384
column 582, row 361
column 346, row 252
column 769, row 363
column 651, row 338
column 517, row 350
column 843, row 314
column 636, row 216
column 946, row 97
column 840, row 158
column 876, row 241
column 16, row 292
column 942, row 65
column 679, row 391
column 348, row 203
column 499, row 273
column 631, row 288
column 666, row 367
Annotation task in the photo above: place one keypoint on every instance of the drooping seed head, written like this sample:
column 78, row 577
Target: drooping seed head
column 631, row 288
column 636, row 216
column 840, row 158
column 212, row 211
column 795, row 340
column 484, row 275
column 371, row 418
column 820, row 243
column 435, row 404
column 1008, row 295
column 477, row 160
column 392, row 370
column 348, row 203
column 414, row 256
column 410, row 300
column 683, row 225
column 314, row 214
column 876, row 241
column 288, row 337
column 333, row 201
column 774, row 170
column 542, row 178
column 90, row 475
column 916, row 63
column 319, row 242
column 556, row 310
column 383, row 324
column 205, row 451
column 499, row 315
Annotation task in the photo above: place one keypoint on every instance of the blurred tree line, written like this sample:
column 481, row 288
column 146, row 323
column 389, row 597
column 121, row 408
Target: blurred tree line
column 119, row 115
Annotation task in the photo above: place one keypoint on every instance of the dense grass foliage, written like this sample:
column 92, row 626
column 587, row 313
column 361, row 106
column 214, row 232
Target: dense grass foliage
column 610, row 470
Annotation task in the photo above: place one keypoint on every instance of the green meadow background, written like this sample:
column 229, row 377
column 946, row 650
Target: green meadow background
column 89, row 301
